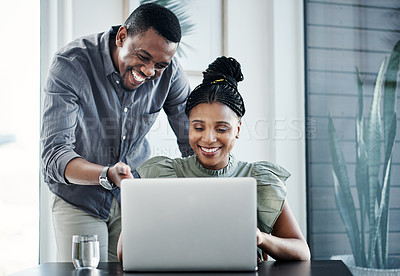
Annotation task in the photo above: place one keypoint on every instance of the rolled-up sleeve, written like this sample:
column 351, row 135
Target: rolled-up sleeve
column 59, row 118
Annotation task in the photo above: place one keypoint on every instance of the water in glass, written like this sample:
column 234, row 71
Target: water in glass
column 85, row 251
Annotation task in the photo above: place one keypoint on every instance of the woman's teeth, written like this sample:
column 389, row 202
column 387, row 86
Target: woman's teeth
column 137, row 77
column 209, row 149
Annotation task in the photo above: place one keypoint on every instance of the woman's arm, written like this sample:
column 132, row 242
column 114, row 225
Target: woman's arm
column 286, row 241
column 119, row 248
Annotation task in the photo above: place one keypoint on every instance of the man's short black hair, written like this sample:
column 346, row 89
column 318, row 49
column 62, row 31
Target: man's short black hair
column 151, row 15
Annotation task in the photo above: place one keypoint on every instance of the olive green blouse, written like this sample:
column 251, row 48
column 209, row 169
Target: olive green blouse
column 271, row 189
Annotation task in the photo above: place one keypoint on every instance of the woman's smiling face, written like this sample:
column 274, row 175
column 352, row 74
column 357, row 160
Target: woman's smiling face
column 213, row 130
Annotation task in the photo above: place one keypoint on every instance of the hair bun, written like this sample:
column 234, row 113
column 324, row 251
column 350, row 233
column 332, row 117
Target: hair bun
column 224, row 68
column 219, row 85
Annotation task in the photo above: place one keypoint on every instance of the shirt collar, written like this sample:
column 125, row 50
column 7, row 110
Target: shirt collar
column 105, row 49
column 227, row 171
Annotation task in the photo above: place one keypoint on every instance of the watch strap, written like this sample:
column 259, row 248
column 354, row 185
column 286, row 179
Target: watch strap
column 104, row 181
column 104, row 171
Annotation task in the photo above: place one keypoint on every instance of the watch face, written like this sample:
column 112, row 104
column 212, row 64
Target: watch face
column 105, row 183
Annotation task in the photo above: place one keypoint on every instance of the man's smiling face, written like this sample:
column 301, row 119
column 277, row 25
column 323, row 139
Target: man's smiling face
column 142, row 57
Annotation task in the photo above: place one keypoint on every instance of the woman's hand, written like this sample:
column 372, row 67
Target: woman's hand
column 259, row 237
column 286, row 241
column 263, row 256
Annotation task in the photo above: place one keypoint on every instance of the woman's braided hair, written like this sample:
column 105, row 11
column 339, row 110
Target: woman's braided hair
column 219, row 85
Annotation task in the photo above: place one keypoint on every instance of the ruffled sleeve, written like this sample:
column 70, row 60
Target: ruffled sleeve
column 159, row 166
column 271, row 193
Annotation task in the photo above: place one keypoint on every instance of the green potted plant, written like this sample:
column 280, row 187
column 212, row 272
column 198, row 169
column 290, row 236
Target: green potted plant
column 375, row 135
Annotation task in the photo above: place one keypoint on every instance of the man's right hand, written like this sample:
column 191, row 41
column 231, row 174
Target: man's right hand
column 118, row 172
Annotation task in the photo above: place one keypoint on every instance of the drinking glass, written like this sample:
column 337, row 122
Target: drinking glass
column 85, row 251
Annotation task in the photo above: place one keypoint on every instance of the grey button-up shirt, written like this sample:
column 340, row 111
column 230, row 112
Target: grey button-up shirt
column 86, row 113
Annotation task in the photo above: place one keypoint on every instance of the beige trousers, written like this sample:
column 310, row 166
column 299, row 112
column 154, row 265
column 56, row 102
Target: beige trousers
column 69, row 220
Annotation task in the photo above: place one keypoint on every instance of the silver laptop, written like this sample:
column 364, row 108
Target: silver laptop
column 189, row 224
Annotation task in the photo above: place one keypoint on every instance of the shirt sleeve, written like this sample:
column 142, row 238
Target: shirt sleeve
column 175, row 105
column 157, row 167
column 271, row 193
column 59, row 115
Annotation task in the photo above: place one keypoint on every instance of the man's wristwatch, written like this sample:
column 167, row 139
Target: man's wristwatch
column 103, row 180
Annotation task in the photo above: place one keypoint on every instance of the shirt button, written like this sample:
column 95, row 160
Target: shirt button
column 117, row 81
column 123, row 137
column 125, row 109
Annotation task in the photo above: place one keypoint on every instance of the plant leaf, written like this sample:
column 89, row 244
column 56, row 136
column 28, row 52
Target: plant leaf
column 390, row 92
column 382, row 227
column 374, row 155
column 348, row 220
column 343, row 197
column 382, row 222
column 361, row 171
column 389, row 108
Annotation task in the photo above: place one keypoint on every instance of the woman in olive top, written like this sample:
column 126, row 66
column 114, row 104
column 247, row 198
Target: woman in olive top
column 215, row 109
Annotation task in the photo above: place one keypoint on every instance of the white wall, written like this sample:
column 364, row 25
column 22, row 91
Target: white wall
column 288, row 147
column 266, row 38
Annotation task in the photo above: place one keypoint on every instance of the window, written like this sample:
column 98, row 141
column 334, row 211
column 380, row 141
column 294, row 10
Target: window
column 340, row 36
column 19, row 135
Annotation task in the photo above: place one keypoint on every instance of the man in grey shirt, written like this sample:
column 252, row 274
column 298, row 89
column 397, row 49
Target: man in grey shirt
column 102, row 95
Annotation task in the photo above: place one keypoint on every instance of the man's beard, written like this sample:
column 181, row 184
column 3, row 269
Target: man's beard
column 121, row 81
